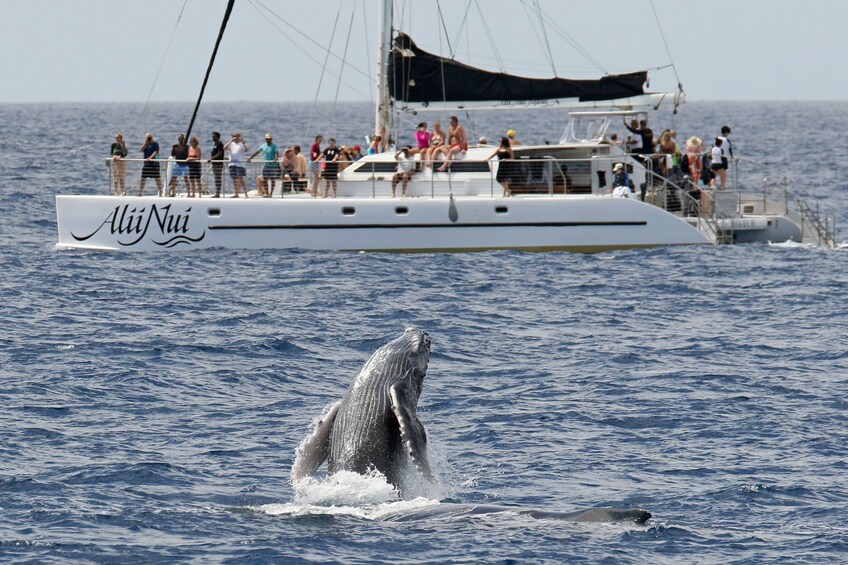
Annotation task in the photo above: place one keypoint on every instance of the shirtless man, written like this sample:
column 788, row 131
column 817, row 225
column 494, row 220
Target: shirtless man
column 458, row 142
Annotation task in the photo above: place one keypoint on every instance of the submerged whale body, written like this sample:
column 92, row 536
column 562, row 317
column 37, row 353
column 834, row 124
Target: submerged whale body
column 375, row 426
column 459, row 510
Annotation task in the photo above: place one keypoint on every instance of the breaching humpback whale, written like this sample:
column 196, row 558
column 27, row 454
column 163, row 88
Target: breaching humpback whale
column 375, row 425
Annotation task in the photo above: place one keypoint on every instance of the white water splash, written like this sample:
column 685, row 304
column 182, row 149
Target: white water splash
column 346, row 494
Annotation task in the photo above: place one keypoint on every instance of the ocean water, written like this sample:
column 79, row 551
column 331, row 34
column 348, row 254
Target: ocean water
column 152, row 403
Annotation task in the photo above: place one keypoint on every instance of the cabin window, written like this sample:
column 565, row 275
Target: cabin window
column 376, row 167
column 401, row 210
column 501, row 209
column 214, row 212
column 348, row 211
column 469, row 167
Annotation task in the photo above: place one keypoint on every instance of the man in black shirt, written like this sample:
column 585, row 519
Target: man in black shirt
column 647, row 135
column 217, row 160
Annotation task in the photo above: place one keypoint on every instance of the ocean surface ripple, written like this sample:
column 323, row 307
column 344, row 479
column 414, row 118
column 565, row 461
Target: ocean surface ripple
column 153, row 402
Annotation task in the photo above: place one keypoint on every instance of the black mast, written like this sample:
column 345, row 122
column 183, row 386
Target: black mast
column 211, row 62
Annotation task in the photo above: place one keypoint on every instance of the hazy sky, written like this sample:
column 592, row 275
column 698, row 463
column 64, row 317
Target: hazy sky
column 111, row 50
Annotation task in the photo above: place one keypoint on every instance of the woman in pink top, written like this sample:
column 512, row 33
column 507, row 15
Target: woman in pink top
column 422, row 136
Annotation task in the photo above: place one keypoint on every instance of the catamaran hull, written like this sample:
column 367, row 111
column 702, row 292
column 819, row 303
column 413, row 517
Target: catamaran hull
column 562, row 223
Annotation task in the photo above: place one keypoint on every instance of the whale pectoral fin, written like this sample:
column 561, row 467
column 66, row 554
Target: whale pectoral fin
column 411, row 429
column 314, row 449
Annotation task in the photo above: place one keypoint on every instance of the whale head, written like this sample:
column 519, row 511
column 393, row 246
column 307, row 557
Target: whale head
column 414, row 348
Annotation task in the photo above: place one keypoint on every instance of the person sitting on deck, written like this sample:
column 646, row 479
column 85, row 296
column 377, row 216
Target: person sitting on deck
column 406, row 166
column 621, row 184
column 458, row 142
column 422, row 138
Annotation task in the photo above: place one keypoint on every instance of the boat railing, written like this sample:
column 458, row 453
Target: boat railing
column 680, row 194
column 214, row 178
column 776, row 189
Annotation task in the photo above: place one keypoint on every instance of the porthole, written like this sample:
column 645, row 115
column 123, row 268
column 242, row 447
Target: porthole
column 401, row 210
column 214, row 212
column 501, row 210
column 348, row 211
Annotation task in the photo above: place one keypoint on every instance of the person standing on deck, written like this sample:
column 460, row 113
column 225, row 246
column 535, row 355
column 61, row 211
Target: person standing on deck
column 270, row 169
column 194, row 171
column 217, row 160
column 237, row 149
column 726, row 146
column 150, row 169
column 315, row 164
column 331, row 156
column 179, row 151
column 510, row 134
column 301, row 167
column 716, row 163
column 647, row 135
column 119, row 166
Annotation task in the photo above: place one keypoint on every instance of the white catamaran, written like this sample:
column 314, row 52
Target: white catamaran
column 560, row 194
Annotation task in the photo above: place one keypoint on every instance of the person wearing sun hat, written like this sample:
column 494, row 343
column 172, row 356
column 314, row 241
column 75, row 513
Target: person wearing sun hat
column 511, row 136
column 694, row 151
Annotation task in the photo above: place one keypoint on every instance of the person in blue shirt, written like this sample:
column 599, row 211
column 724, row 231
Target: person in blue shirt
column 271, row 169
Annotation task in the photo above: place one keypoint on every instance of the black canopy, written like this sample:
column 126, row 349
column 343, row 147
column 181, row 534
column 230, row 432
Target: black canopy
column 417, row 76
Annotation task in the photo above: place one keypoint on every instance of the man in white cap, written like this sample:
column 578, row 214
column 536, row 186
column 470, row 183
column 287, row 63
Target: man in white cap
column 621, row 184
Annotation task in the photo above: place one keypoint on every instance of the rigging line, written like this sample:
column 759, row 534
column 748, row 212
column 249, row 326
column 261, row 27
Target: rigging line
column 367, row 51
column 162, row 63
column 530, row 20
column 545, row 36
column 492, row 42
column 667, row 50
column 442, row 59
column 444, row 29
column 344, row 55
column 461, row 27
column 573, row 42
column 211, row 62
column 324, row 67
column 257, row 4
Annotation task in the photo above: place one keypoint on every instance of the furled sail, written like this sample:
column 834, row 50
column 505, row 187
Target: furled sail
column 417, row 76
